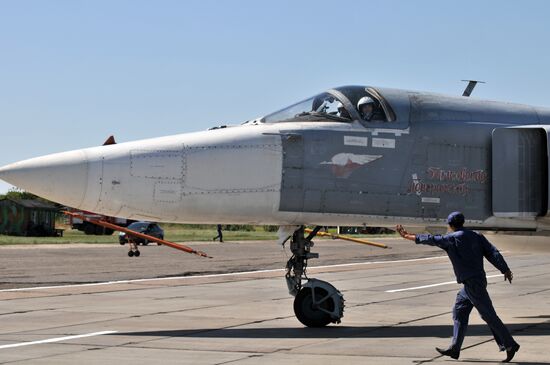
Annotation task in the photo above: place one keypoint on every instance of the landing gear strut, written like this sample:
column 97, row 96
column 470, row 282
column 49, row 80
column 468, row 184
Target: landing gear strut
column 316, row 303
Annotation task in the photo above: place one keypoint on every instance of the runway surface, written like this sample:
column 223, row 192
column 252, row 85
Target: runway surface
column 82, row 304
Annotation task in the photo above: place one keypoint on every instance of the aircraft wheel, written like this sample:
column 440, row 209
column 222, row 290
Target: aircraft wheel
column 131, row 253
column 318, row 304
column 137, row 253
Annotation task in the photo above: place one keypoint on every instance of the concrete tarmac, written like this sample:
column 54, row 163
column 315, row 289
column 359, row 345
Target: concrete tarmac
column 82, row 304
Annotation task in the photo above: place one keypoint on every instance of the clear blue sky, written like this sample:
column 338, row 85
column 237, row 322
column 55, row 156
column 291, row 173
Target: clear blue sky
column 74, row 72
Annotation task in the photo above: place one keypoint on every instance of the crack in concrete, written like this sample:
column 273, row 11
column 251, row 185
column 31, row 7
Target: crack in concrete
column 28, row 311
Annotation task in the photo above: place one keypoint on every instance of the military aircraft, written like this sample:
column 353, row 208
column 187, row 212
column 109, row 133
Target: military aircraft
column 352, row 155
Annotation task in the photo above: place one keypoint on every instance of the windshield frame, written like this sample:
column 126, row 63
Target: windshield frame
column 318, row 116
column 347, row 95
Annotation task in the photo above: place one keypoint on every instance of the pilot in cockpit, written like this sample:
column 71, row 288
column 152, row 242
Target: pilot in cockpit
column 342, row 112
column 368, row 109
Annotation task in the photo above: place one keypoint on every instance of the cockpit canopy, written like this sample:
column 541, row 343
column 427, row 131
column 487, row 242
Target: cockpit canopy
column 340, row 104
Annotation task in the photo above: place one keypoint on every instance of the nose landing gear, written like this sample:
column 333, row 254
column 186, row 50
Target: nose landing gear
column 133, row 250
column 317, row 303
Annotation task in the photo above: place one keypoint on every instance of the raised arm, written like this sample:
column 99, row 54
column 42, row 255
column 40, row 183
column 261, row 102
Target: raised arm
column 406, row 235
column 424, row 239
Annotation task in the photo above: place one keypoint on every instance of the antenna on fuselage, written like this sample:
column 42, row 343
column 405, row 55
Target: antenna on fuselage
column 470, row 87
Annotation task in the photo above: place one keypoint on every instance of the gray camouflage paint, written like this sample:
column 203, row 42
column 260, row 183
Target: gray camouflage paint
column 435, row 157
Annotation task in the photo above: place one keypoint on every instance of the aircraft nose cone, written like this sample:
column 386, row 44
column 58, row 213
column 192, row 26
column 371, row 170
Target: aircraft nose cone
column 61, row 177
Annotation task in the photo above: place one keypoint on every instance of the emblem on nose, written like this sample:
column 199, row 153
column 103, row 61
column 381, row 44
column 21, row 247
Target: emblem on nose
column 344, row 164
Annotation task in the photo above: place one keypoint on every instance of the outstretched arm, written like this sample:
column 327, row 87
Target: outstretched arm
column 424, row 239
column 406, row 235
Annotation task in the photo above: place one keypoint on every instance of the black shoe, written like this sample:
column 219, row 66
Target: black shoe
column 449, row 352
column 511, row 352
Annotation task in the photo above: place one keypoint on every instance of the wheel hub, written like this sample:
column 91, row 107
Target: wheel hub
column 318, row 303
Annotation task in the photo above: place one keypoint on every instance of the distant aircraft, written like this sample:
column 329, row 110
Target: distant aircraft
column 352, row 155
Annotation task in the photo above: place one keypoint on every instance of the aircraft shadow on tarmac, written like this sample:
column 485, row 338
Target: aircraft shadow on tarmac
column 441, row 331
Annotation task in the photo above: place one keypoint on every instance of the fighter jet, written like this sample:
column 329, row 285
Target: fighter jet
column 352, row 155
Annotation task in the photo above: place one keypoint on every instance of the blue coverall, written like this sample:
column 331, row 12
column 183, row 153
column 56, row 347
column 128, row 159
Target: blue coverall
column 466, row 250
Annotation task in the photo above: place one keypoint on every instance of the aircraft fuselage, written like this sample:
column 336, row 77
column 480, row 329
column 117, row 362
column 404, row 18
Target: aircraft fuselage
column 433, row 155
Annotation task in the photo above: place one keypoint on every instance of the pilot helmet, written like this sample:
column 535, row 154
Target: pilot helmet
column 364, row 100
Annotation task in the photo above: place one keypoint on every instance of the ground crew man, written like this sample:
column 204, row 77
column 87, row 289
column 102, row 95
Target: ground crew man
column 220, row 234
column 466, row 250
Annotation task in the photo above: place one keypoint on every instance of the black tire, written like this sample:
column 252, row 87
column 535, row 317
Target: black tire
column 122, row 242
column 137, row 253
column 131, row 253
column 89, row 228
column 98, row 231
column 304, row 311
